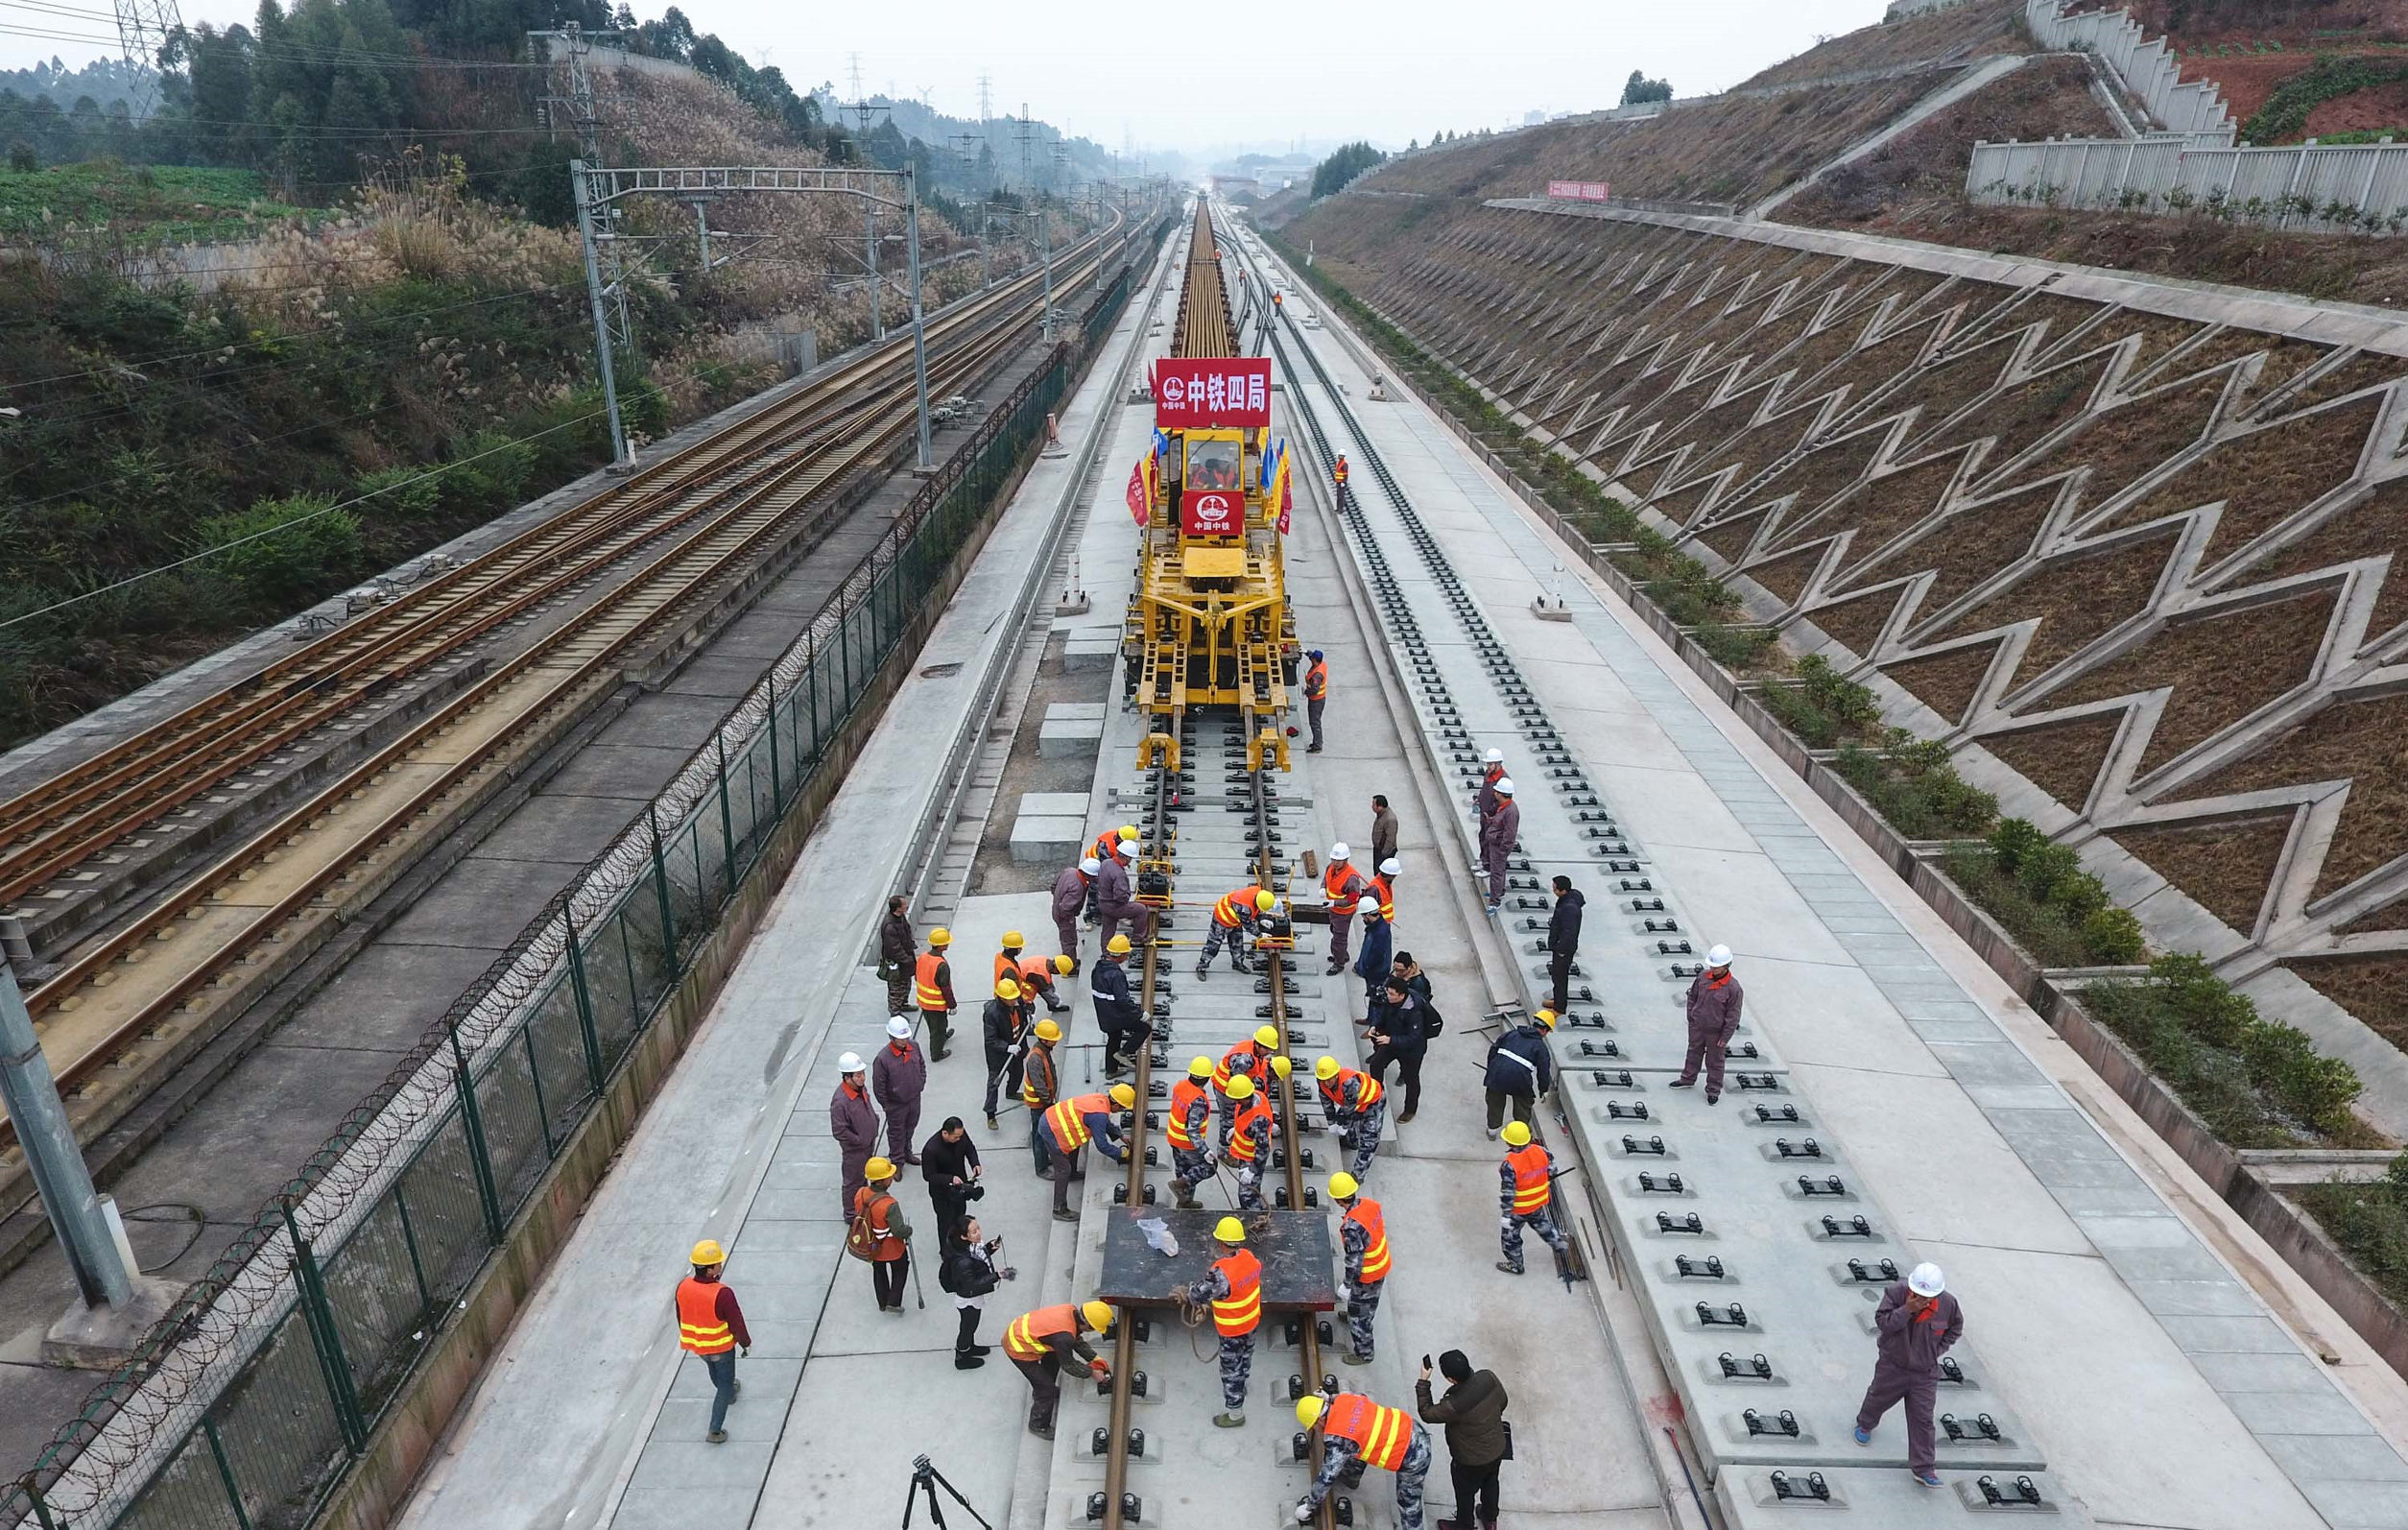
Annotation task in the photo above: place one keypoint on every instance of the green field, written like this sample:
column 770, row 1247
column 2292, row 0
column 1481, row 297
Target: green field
column 153, row 203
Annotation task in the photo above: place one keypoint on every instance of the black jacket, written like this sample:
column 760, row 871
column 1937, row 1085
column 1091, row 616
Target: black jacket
column 1520, row 1062
column 942, row 1162
column 895, row 942
column 1109, row 983
column 1563, row 925
column 1000, row 1025
column 966, row 1271
column 1473, row 1411
column 1402, row 1025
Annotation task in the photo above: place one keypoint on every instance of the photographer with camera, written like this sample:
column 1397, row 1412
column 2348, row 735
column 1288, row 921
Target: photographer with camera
column 968, row 1274
column 949, row 1163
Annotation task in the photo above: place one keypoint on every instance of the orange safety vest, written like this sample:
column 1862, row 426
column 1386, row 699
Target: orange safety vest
column 1025, row 1338
column 1386, row 896
column 874, row 1204
column 1317, row 678
column 699, row 1327
column 1240, row 1312
column 924, row 986
column 1225, row 913
column 1040, row 1060
column 1005, row 967
column 1342, row 886
column 1228, row 1068
column 1036, row 977
column 1069, row 1123
column 1367, row 1089
column 1184, row 1097
column 1242, row 1146
column 1381, row 1435
column 1107, row 844
column 1532, row 1189
column 1339, row 472
column 1374, row 1258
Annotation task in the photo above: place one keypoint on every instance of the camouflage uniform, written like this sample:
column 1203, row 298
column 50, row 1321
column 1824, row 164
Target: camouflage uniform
column 1250, row 1174
column 1362, row 1300
column 1192, row 1166
column 1237, row 1351
column 1338, row 1453
column 1510, row 1227
column 1358, row 1130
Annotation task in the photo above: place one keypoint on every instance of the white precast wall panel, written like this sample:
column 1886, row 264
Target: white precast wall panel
column 2146, row 67
column 2301, row 186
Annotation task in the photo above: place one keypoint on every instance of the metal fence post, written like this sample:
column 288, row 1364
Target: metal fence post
column 583, row 1000
column 226, row 1475
column 318, row 1314
column 727, row 818
column 480, row 1161
column 661, row 883
column 410, row 1241
column 42, row 1511
column 769, row 721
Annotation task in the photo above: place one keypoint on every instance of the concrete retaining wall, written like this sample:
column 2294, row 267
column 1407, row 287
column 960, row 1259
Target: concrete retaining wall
column 2339, row 186
column 2147, row 68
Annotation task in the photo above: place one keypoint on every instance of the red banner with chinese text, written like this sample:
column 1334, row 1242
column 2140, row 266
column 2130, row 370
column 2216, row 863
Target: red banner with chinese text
column 1203, row 393
column 1212, row 512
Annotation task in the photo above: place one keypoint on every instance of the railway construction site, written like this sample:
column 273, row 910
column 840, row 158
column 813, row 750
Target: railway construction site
column 451, row 1000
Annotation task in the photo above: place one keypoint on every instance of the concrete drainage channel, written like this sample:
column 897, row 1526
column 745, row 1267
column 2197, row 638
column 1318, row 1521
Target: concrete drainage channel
column 1757, row 1260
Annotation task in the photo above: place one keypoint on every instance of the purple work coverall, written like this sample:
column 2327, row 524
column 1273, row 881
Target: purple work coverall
column 1908, row 1367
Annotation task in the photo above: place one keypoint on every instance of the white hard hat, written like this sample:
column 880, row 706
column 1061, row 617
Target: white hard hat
column 1391, row 866
column 1279, row 907
column 1718, row 956
column 898, row 1028
column 1494, row 757
column 849, row 1062
column 1090, row 866
column 1129, row 846
column 1924, row 1279
column 1339, row 851
column 1505, row 786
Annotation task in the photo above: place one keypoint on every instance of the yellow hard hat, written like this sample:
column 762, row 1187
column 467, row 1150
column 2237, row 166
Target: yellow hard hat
column 1048, row 1031
column 1229, row 1230
column 1063, row 965
column 1265, row 900
column 1006, row 988
column 1342, row 1186
column 1325, row 1068
column 1200, row 1068
column 1280, row 1065
column 878, row 1169
column 1124, row 1096
column 1267, row 1038
column 1117, row 945
column 940, row 938
column 1308, row 1408
column 1241, row 1087
column 1013, row 940
column 1546, row 1018
column 1099, row 1315
column 708, row 1252
column 1517, row 1134
column 1128, row 831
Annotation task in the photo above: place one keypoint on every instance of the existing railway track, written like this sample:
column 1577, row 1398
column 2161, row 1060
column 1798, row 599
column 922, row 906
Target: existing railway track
column 126, row 1008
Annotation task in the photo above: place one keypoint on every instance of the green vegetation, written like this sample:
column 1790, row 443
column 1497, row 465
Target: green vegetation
column 2037, row 890
column 2286, row 110
column 155, row 204
column 1638, row 89
column 1910, row 782
column 1332, row 174
column 2256, row 1083
column 1738, row 648
column 2369, row 1221
column 1824, row 707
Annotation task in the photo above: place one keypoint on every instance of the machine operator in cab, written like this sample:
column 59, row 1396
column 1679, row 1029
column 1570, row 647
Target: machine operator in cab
column 1212, row 463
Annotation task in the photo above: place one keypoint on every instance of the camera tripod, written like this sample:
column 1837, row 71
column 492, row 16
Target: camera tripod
column 926, row 1478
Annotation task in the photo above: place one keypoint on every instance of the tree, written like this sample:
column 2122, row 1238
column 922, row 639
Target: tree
column 1332, row 174
column 1638, row 89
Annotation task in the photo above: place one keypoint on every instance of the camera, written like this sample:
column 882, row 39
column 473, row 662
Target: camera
column 974, row 1191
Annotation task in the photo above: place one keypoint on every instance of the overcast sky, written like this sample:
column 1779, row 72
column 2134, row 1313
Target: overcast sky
column 1207, row 78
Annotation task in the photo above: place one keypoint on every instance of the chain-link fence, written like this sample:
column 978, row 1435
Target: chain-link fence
column 266, row 1380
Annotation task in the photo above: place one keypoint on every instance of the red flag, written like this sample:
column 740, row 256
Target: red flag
column 1139, row 506
column 1287, row 503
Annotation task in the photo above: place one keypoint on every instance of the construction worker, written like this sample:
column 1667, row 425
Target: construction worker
column 896, row 947
column 1074, row 890
column 931, row 989
column 1363, row 1237
column 1916, row 1323
column 1563, row 940
column 1714, row 999
column 1190, row 1113
column 1242, row 1061
column 878, row 1221
column 1499, row 833
column 1316, row 696
column 1105, row 850
column 1003, row 1031
column 1008, row 960
column 1351, row 1100
column 1233, row 1286
column 853, row 1121
column 1040, row 1343
column 1383, row 830
column 898, row 1079
column 1118, row 1013
column 1338, row 474
column 1520, row 1067
column 1379, row 937
column 1249, row 1147
column 1344, row 887
column 1115, row 902
column 1492, row 772
column 1038, row 974
column 1070, row 1125
column 1040, row 1085
column 1526, row 1190
column 1355, row 1428
column 711, row 1325
column 1233, row 922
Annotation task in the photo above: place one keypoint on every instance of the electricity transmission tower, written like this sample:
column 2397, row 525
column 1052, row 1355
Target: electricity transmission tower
column 862, row 112
column 143, row 28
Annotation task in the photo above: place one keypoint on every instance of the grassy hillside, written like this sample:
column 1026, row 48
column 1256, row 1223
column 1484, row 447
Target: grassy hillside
column 155, row 204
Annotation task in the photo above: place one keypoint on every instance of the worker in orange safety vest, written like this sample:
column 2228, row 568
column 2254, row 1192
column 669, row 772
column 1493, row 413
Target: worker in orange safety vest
column 1355, row 1428
column 711, row 1325
column 1233, row 1286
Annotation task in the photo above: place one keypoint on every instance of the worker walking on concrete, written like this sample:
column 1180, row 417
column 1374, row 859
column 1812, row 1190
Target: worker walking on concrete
column 1074, row 890
column 1189, row 1125
column 1344, row 887
column 1916, row 1323
column 1233, row 1286
column 1521, row 1068
column 1116, row 903
column 1379, row 934
column 1118, row 1013
column 1316, row 696
column 881, row 1235
column 897, row 948
column 1363, row 1238
column 1491, row 771
column 1042, row 1342
column 1040, row 1085
column 931, row 989
column 897, row 1078
column 1233, row 922
column 1383, row 831
column 1242, row 1061
column 1352, row 1101
column 1714, row 997
column 1563, row 940
column 1498, row 835
column 1525, row 1196
column 853, row 1121
column 711, row 1325
column 1249, row 1148
column 1355, row 1428
column 1070, row 1125
column 1004, row 1035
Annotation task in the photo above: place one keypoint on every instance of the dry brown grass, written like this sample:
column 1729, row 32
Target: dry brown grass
column 2224, row 864
column 2373, row 988
column 2264, row 476
column 2077, row 598
column 1946, row 681
column 2360, row 742
column 1979, row 30
column 2376, row 526
column 2060, row 758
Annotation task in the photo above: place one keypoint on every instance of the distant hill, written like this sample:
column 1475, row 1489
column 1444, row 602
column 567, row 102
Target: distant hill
column 107, row 80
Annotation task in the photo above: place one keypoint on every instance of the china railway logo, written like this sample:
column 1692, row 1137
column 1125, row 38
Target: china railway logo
column 1213, row 514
